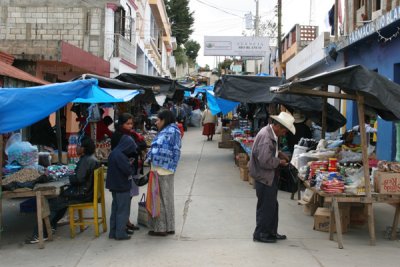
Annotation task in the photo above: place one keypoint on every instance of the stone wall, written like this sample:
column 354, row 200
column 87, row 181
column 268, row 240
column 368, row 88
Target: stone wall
column 25, row 23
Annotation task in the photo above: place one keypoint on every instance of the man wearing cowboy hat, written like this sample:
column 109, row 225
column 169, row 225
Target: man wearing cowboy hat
column 264, row 162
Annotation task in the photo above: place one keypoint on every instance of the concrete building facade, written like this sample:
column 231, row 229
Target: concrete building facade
column 59, row 40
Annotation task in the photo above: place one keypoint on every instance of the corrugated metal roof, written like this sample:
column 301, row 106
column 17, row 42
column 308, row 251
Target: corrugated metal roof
column 10, row 71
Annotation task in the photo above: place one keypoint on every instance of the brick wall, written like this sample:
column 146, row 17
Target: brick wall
column 32, row 22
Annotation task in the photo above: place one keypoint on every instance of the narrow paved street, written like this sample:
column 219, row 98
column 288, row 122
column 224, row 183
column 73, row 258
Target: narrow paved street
column 215, row 218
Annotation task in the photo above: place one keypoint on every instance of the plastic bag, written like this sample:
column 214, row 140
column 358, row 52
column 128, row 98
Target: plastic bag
column 195, row 118
column 15, row 138
column 23, row 152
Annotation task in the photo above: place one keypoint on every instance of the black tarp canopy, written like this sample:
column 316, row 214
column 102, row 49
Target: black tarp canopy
column 167, row 86
column 256, row 89
column 380, row 94
column 147, row 94
column 112, row 83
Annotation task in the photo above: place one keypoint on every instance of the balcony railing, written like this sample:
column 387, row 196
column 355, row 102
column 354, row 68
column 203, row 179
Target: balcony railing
column 123, row 48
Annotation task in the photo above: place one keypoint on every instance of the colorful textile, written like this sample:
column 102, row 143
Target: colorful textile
column 166, row 221
column 153, row 195
column 165, row 149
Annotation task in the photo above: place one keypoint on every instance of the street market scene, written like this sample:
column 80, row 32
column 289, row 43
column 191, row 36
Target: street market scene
column 199, row 133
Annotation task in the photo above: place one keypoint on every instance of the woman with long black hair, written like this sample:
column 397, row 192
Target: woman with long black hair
column 164, row 155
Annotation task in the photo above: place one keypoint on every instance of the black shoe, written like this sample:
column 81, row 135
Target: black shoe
column 123, row 238
column 152, row 233
column 280, row 237
column 265, row 239
column 129, row 231
column 132, row 227
column 34, row 239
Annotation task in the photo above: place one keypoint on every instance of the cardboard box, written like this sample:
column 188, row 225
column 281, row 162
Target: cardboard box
column 226, row 134
column 244, row 174
column 227, row 144
column 309, row 209
column 387, row 182
column 322, row 220
column 243, row 159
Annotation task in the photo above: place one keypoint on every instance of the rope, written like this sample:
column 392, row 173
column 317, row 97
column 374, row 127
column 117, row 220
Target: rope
column 90, row 113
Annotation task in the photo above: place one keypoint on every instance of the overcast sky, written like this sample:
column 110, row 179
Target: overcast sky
column 226, row 17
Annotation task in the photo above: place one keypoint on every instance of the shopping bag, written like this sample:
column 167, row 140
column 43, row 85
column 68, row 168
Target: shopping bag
column 143, row 215
column 153, row 195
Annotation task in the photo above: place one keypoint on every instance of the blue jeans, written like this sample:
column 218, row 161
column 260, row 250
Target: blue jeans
column 120, row 209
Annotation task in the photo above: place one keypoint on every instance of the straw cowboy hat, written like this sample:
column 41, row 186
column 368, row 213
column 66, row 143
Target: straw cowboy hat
column 286, row 120
column 298, row 117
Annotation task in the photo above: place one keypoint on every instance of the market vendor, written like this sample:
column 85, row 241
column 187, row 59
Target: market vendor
column 263, row 167
column 80, row 189
column 302, row 130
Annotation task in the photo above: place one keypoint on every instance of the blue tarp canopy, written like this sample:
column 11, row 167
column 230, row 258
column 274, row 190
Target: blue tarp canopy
column 104, row 95
column 217, row 105
column 202, row 89
column 21, row 107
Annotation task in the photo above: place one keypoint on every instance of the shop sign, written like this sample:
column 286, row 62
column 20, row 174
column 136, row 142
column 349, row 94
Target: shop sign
column 235, row 46
column 371, row 28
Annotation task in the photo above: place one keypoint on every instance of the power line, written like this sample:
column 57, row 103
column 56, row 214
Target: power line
column 243, row 11
column 217, row 8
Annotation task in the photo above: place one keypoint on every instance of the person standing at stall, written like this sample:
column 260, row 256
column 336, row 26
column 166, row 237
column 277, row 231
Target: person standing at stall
column 263, row 167
column 164, row 155
column 124, row 126
column 120, row 168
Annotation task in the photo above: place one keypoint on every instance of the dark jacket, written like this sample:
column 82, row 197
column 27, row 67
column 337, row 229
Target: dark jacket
column 119, row 166
column 81, row 184
column 302, row 130
column 263, row 163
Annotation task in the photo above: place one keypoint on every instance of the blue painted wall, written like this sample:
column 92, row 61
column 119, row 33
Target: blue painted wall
column 383, row 57
column 351, row 114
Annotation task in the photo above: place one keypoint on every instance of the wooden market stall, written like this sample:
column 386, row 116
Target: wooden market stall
column 24, row 107
column 372, row 91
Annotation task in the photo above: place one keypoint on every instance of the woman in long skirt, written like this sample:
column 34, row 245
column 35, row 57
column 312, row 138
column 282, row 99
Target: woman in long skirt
column 164, row 155
column 209, row 121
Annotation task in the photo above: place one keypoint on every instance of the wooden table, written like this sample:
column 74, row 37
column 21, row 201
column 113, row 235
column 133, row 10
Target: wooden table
column 41, row 192
column 336, row 199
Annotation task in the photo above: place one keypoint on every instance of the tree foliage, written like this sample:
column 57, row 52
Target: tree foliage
column 192, row 49
column 180, row 56
column 181, row 19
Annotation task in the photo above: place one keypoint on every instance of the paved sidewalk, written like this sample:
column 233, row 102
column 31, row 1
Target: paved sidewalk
column 215, row 219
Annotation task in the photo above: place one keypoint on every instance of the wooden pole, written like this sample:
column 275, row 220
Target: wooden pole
column 364, row 147
column 324, row 114
column 336, row 24
column 58, row 135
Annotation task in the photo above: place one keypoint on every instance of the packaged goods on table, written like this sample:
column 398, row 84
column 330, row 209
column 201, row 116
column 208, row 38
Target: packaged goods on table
column 22, row 176
column 59, row 171
column 103, row 149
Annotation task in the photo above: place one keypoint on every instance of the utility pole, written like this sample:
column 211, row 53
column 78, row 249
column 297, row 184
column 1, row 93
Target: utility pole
column 279, row 32
column 257, row 30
